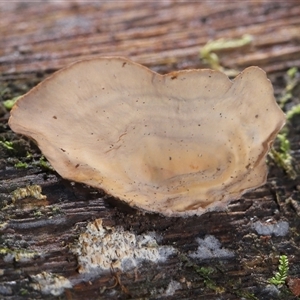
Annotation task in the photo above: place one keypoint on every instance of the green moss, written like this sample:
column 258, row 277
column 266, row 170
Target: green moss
column 21, row 165
column 283, row 157
column 7, row 145
column 279, row 278
column 55, row 210
column 8, row 104
column 38, row 214
column 295, row 110
column 209, row 52
column 23, row 292
column 44, row 164
column 205, row 273
column 292, row 72
column 291, row 82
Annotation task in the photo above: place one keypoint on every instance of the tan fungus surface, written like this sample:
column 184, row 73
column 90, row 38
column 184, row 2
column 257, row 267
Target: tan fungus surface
column 178, row 144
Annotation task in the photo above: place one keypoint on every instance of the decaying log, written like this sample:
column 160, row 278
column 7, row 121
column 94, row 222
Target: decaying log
column 38, row 235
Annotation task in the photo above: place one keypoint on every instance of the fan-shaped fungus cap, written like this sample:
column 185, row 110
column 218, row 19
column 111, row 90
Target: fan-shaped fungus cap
column 178, row 144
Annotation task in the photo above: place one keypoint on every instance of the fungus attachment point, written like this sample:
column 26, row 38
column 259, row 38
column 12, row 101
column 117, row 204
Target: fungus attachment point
column 178, row 144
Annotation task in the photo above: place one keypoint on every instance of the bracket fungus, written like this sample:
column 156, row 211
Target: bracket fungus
column 178, row 144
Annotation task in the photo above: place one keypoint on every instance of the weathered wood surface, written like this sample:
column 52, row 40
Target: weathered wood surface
column 38, row 38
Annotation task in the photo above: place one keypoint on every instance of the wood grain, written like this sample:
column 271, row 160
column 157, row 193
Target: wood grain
column 39, row 38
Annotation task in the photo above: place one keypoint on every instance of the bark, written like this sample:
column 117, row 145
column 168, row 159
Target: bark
column 38, row 235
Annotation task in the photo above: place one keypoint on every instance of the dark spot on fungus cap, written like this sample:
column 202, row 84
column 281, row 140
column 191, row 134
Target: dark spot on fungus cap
column 127, row 159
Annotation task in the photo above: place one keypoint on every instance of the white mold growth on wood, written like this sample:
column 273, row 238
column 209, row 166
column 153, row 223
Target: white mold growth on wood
column 280, row 228
column 102, row 248
column 210, row 247
column 50, row 284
